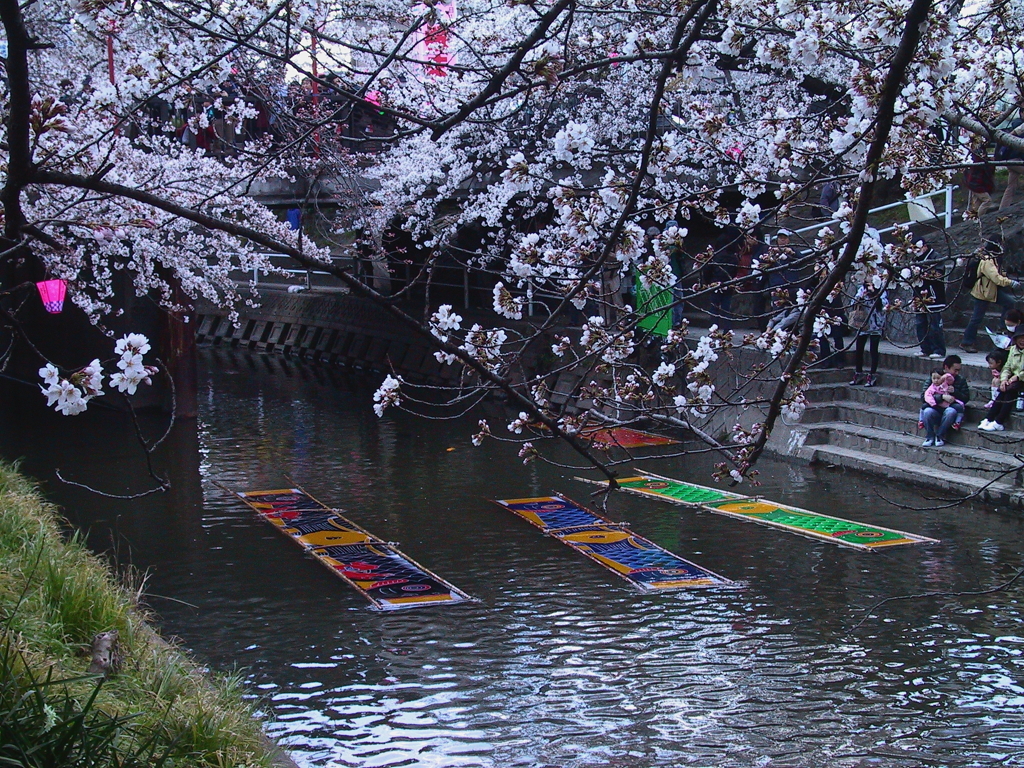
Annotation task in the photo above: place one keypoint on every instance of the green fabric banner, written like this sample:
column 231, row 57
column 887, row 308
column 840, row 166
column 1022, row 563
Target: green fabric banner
column 648, row 302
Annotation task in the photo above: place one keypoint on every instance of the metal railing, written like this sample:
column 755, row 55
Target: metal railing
column 947, row 214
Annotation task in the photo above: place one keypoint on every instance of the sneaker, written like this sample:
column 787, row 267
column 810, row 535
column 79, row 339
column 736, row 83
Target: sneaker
column 986, row 425
column 920, row 425
column 939, row 443
column 956, row 426
column 997, row 427
column 968, row 348
column 928, row 443
column 858, row 378
column 936, row 356
column 871, row 381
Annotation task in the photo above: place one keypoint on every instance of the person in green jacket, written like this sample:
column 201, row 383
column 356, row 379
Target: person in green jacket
column 1011, row 385
column 989, row 288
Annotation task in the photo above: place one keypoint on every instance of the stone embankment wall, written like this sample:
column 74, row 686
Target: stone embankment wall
column 349, row 331
column 330, row 328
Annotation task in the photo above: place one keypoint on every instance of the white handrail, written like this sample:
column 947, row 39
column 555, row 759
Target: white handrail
column 947, row 191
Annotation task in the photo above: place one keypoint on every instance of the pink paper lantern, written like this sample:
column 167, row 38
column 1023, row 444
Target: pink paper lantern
column 52, row 293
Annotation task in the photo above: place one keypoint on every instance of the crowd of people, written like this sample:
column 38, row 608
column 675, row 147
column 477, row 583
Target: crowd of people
column 280, row 111
column 743, row 277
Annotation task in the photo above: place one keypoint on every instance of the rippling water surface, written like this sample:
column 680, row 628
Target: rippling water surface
column 560, row 663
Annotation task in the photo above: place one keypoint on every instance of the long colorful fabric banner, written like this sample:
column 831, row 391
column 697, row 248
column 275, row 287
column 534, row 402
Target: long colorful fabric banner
column 801, row 521
column 624, row 437
column 386, row 577
column 639, row 561
column 620, row 437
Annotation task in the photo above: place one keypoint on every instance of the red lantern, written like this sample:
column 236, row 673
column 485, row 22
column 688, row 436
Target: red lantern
column 52, row 293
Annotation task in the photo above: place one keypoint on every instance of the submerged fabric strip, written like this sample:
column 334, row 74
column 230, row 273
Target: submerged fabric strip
column 640, row 561
column 624, row 437
column 378, row 570
column 793, row 519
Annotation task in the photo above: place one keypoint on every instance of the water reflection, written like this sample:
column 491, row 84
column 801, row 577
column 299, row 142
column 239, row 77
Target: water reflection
column 561, row 663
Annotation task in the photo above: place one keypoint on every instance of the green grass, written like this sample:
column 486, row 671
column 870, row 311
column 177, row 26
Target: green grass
column 157, row 710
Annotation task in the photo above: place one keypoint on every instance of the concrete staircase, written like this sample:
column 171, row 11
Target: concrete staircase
column 874, row 430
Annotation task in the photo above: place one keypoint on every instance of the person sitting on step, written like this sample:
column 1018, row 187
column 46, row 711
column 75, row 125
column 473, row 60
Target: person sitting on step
column 938, row 422
column 940, row 397
column 1011, row 385
column 1013, row 321
column 995, row 359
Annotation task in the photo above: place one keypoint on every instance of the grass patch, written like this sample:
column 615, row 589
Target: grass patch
column 157, row 710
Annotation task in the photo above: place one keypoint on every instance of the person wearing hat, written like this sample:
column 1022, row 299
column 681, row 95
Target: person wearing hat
column 1011, row 384
column 989, row 288
column 680, row 268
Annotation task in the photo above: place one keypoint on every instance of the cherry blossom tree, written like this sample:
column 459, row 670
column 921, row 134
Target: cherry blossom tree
column 559, row 131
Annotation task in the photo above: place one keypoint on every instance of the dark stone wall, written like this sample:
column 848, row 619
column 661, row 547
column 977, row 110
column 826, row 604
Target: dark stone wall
column 332, row 328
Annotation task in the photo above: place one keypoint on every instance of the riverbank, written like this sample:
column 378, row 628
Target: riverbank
column 55, row 597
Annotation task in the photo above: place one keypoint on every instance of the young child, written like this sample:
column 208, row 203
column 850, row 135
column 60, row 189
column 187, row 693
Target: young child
column 940, row 395
column 996, row 359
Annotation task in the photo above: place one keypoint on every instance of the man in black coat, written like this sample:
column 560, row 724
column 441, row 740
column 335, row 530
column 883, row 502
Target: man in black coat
column 930, row 301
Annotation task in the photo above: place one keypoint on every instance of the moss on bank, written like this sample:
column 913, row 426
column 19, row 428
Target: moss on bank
column 158, row 709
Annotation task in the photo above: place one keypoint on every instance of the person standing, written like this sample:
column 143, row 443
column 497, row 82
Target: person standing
column 831, row 342
column 718, row 274
column 1011, row 384
column 937, row 422
column 751, row 280
column 930, row 301
column 980, row 180
column 1008, row 154
column 828, row 203
column 680, row 266
column 989, row 288
column 867, row 318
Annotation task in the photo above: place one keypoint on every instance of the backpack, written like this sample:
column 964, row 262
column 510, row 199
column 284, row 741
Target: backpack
column 970, row 274
column 1004, row 152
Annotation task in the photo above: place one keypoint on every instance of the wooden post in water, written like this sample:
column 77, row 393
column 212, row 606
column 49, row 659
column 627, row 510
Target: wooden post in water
column 177, row 347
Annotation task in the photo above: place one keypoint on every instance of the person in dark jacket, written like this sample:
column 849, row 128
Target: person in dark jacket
column 719, row 270
column 930, row 301
column 938, row 422
column 980, row 180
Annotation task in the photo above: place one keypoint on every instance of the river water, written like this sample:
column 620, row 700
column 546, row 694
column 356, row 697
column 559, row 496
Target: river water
column 560, row 663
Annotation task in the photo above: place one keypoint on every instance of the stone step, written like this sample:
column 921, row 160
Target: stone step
column 955, row 338
column 905, row 422
column 908, row 399
column 974, row 367
column 902, row 380
column 954, row 483
column 960, row 315
column 886, row 397
column 910, row 363
column 955, row 455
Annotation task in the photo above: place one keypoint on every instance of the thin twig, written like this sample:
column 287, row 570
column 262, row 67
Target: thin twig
column 923, row 595
column 98, row 492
